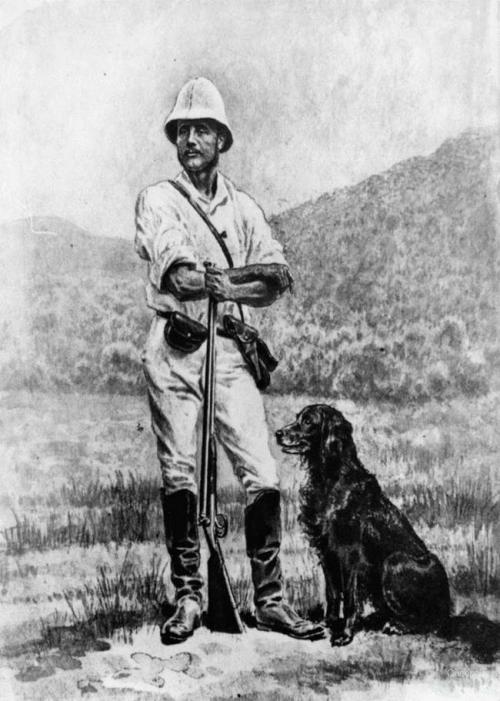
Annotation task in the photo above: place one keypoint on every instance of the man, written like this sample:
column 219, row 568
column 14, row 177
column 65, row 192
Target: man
column 175, row 241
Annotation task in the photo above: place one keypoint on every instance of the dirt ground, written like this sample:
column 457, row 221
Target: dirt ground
column 255, row 665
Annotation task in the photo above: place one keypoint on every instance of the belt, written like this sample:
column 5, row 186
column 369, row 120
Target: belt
column 219, row 331
column 223, row 333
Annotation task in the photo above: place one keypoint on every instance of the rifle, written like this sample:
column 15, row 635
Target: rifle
column 222, row 614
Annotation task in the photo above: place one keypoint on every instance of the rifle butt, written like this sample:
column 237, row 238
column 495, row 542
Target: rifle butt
column 222, row 614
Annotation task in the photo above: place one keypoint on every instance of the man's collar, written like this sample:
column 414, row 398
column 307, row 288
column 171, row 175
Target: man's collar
column 220, row 197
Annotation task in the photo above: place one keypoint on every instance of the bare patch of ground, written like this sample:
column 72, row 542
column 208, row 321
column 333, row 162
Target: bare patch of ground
column 255, row 665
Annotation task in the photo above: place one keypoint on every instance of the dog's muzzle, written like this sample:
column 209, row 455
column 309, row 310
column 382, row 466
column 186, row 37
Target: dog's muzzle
column 290, row 443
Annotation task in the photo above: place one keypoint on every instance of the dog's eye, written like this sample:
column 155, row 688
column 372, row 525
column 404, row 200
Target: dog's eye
column 306, row 421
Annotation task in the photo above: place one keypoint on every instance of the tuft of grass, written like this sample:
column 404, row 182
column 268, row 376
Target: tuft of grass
column 458, row 501
column 380, row 663
column 389, row 663
column 481, row 574
column 128, row 490
column 122, row 601
column 123, row 509
column 132, row 597
column 28, row 534
column 119, row 510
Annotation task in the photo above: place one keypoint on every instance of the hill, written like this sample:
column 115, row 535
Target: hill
column 395, row 290
column 423, row 217
column 59, row 247
column 397, row 277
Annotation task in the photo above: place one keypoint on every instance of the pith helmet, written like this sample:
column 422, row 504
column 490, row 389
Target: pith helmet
column 198, row 99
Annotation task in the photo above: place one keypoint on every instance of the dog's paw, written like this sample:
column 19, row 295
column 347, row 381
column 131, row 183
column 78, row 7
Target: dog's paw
column 340, row 639
column 393, row 628
column 335, row 624
column 340, row 634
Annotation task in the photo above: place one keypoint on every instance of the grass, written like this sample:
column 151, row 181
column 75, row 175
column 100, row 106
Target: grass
column 129, row 490
column 92, row 547
column 458, row 501
column 117, row 604
column 383, row 663
column 123, row 601
column 126, row 509
column 484, row 563
column 131, row 597
column 122, row 509
column 29, row 535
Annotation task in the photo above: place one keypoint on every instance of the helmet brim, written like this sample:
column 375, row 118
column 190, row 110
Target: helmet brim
column 171, row 132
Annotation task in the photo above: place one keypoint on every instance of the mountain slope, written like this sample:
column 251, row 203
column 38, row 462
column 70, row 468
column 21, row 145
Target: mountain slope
column 397, row 279
column 59, row 247
column 395, row 290
column 426, row 223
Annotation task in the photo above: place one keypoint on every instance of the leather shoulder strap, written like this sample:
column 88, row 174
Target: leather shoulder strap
column 207, row 221
column 212, row 228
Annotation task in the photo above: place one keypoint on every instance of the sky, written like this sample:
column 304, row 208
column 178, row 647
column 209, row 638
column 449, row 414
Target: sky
column 319, row 94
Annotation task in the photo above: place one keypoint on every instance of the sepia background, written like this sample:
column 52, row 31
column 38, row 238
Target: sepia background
column 368, row 132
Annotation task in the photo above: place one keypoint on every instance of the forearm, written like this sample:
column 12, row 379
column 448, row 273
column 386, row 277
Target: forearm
column 275, row 275
column 184, row 283
column 254, row 294
column 253, row 285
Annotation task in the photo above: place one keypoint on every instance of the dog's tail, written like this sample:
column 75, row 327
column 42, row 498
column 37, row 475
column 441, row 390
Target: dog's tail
column 482, row 634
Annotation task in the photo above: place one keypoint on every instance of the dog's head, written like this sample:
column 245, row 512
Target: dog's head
column 319, row 432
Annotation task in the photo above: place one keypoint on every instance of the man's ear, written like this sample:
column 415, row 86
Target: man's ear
column 221, row 139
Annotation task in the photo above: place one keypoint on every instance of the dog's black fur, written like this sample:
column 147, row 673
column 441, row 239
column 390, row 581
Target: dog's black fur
column 367, row 548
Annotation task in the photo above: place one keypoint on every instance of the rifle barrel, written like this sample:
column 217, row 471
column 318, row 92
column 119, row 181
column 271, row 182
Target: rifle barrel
column 222, row 614
column 205, row 511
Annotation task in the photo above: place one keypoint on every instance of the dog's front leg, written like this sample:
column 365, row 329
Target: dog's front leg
column 352, row 610
column 333, row 585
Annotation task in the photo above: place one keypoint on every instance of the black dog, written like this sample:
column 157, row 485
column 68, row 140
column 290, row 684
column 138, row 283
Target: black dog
column 367, row 547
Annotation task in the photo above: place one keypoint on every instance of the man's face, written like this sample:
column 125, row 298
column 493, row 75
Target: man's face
column 198, row 144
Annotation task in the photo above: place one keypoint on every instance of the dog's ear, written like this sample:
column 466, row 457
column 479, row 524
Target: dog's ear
column 336, row 435
column 328, row 437
column 344, row 430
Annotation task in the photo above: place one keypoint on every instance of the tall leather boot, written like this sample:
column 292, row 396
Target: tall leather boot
column 263, row 537
column 183, row 545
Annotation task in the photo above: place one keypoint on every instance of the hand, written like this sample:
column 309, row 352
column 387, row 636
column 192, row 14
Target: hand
column 218, row 284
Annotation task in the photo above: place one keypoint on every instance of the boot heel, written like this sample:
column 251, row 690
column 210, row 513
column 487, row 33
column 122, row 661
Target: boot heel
column 183, row 545
column 172, row 638
column 263, row 538
column 182, row 624
column 260, row 626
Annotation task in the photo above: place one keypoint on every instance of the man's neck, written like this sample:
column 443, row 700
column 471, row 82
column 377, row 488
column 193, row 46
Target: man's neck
column 205, row 181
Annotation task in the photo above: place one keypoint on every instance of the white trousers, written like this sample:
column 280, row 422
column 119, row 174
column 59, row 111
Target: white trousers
column 175, row 383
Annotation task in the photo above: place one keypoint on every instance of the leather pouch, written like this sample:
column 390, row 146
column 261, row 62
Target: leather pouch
column 184, row 334
column 253, row 349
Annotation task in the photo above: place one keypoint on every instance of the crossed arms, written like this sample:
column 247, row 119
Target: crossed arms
column 257, row 285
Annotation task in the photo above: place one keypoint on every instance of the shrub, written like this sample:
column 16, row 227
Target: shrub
column 120, row 366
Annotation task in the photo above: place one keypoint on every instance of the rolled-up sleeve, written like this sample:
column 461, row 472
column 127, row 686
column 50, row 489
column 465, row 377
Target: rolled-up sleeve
column 160, row 236
column 261, row 246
